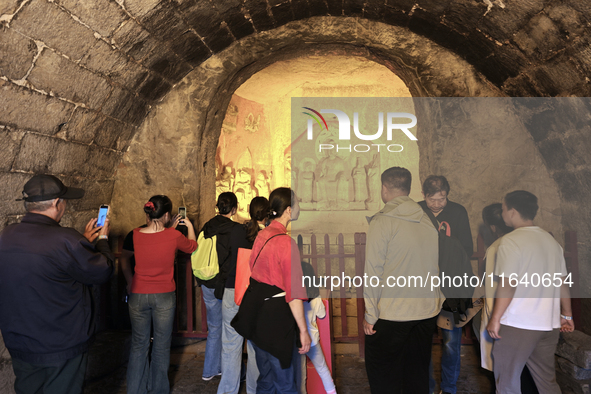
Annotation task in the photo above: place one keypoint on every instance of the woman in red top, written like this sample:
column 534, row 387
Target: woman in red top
column 275, row 263
column 152, row 300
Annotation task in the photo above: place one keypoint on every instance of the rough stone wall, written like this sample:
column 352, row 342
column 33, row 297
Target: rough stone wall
column 78, row 77
column 564, row 143
column 70, row 100
column 531, row 47
column 193, row 112
column 484, row 150
column 6, row 373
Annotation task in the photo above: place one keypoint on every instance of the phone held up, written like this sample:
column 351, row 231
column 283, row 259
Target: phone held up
column 183, row 213
column 102, row 216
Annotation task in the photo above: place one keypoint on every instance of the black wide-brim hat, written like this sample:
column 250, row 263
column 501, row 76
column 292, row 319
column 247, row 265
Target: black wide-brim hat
column 48, row 187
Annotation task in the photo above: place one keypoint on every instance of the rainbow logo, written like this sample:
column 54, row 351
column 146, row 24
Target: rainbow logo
column 315, row 118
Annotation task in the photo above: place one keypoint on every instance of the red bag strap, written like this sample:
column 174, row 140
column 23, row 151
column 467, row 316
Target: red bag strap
column 447, row 228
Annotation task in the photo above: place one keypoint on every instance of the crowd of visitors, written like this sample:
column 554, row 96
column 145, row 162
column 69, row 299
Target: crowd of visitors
column 47, row 274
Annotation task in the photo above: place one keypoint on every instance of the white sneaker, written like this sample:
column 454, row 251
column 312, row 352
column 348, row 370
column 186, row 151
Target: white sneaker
column 208, row 378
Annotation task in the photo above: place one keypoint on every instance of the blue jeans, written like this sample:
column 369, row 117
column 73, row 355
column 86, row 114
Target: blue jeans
column 144, row 310
column 213, row 348
column 432, row 382
column 232, row 344
column 252, row 370
column 450, row 358
column 272, row 378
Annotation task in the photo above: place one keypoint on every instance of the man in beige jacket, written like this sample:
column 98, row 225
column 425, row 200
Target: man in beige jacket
column 400, row 315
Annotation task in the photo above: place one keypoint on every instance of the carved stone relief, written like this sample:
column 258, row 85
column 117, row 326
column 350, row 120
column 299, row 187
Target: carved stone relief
column 244, row 163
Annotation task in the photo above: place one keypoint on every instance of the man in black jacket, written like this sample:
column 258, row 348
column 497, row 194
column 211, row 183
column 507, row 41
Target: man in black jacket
column 435, row 191
column 46, row 272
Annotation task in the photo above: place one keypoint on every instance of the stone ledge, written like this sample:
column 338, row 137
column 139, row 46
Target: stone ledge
column 570, row 385
column 572, row 370
column 576, row 348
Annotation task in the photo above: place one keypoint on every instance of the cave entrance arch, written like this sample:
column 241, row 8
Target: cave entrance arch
column 254, row 153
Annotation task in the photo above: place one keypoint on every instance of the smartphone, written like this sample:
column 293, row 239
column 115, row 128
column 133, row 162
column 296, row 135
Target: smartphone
column 103, row 210
column 183, row 212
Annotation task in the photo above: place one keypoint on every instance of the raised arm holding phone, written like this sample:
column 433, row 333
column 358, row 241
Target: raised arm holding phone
column 46, row 271
column 152, row 299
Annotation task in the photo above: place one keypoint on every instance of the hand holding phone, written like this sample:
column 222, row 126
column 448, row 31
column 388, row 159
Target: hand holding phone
column 180, row 217
column 102, row 216
column 98, row 226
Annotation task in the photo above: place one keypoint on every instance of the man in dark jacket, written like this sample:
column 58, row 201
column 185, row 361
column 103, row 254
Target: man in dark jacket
column 435, row 191
column 46, row 271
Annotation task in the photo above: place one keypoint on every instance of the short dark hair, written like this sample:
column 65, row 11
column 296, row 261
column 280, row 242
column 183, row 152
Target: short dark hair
column 492, row 215
column 397, row 178
column 435, row 184
column 226, row 202
column 160, row 206
column 524, row 202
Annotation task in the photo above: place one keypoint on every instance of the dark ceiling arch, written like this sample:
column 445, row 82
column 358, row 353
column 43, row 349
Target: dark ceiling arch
column 88, row 72
column 207, row 91
column 503, row 40
column 77, row 78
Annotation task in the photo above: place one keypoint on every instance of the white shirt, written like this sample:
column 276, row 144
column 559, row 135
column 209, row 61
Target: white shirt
column 530, row 254
column 313, row 309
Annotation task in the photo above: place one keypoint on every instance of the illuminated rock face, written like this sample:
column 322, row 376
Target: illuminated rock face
column 338, row 179
column 262, row 147
column 337, row 170
column 242, row 158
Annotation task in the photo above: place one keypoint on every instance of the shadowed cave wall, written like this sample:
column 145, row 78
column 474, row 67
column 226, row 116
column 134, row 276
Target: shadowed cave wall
column 84, row 87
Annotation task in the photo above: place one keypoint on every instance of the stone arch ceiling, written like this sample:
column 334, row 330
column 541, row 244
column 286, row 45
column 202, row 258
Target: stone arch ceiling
column 77, row 77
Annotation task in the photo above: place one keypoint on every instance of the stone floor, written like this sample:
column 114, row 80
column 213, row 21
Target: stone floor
column 108, row 366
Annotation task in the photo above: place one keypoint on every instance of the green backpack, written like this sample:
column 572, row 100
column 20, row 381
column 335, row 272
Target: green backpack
column 204, row 260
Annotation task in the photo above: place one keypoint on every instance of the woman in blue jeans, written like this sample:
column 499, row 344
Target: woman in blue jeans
column 272, row 311
column 232, row 342
column 152, row 298
column 225, row 229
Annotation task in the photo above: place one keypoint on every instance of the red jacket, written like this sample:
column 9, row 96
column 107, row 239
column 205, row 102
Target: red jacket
column 279, row 262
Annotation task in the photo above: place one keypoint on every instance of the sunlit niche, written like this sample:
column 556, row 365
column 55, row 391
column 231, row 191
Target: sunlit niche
column 254, row 155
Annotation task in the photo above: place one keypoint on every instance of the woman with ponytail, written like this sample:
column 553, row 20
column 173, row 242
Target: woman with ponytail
column 229, row 236
column 152, row 299
column 232, row 342
column 272, row 313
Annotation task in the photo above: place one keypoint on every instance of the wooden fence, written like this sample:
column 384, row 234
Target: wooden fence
column 191, row 320
column 358, row 254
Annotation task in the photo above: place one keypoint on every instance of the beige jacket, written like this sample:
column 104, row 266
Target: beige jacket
column 401, row 243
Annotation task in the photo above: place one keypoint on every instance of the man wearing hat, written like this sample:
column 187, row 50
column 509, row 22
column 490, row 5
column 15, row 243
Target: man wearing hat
column 46, row 271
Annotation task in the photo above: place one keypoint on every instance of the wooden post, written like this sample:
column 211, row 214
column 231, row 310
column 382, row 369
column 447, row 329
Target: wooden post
column 360, row 239
column 342, row 290
column 571, row 256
